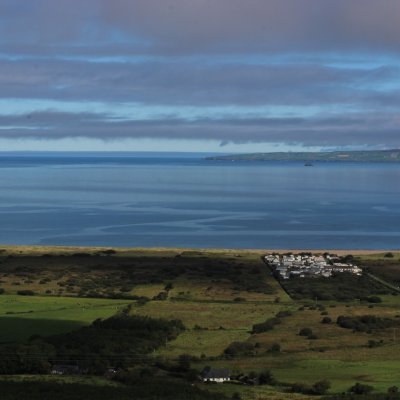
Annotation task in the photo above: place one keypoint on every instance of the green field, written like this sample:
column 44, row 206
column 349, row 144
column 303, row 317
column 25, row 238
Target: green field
column 24, row 316
column 219, row 296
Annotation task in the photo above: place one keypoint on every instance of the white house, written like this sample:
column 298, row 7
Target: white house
column 215, row 375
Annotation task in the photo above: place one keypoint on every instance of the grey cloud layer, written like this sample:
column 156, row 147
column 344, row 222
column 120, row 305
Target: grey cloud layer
column 198, row 85
column 202, row 25
column 204, row 54
column 353, row 129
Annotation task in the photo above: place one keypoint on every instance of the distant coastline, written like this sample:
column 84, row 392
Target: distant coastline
column 375, row 156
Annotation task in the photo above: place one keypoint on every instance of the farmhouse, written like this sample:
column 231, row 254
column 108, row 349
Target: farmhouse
column 215, row 375
column 62, row 369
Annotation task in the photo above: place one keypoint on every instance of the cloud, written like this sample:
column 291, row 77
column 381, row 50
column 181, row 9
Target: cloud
column 352, row 129
column 199, row 84
column 283, row 71
column 229, row 25
column 194, row 26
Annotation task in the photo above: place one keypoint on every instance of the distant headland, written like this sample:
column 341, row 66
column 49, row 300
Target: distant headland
column 378, row 156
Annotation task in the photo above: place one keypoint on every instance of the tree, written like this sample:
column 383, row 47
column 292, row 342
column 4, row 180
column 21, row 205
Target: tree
column 393, row 393
column 374, row 299
column 26, row 292
column 184, row 362
column 349, row 258
column 252, row 375
column 161, row 296
column 321, row 387
column 266, row 378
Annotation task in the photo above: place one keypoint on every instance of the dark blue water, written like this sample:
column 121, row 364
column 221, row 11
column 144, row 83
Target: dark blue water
column 126, row 200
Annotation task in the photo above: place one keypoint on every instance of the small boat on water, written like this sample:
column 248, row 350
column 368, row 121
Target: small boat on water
column 308, row 164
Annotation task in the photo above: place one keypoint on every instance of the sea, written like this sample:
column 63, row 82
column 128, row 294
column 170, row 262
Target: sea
column 183, row 200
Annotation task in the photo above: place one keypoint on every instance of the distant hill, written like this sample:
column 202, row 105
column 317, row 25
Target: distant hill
column 332, row 156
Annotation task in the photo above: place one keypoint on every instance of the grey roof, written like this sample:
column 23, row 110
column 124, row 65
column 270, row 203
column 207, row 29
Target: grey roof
column 65, row 368
column 216, row 373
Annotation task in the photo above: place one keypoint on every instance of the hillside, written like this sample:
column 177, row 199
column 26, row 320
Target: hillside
column 334, row 156
column 235, row 315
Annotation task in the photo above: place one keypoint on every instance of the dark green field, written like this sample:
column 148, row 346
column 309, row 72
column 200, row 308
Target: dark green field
column 234, row 313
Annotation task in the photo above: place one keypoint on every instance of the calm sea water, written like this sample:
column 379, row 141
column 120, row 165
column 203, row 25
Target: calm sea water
column 126, row 200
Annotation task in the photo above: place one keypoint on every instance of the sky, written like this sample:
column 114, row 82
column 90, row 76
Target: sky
column 199, row 75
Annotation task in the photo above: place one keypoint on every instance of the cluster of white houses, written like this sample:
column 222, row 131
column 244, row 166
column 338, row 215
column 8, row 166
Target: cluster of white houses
column 288, row 266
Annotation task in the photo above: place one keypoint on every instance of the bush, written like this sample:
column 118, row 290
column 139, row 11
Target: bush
column 2, row 291
column 300, row 388
column 360, row 388
column 319, row 388
column 239, row 349
column 266, row 326
column 366, row 323
column 374, row 299
column 108, row 252
column 326, row 320
column 142, row 300
column 126, row 288
column 26, row 292
column 374, row 343
column 283, row 314
column 389, row 255
column 305, row 332
column 83, row 255
column 312, row 337
column 275, row 348
column 239, row 299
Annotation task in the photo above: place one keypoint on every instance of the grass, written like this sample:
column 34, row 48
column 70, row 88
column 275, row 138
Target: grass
column 83, row 379
column 259, row 393
column 211, row 325
column 378, row 256
column 343, row 374
column 204, row 293
column 338, row 354
column 97, row 273
column 24, row 316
